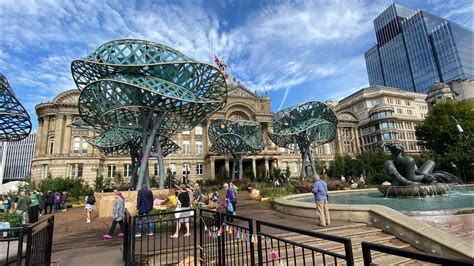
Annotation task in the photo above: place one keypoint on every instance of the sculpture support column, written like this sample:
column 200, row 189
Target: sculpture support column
column 254, row 167
column 227, row 167
column 213, row 169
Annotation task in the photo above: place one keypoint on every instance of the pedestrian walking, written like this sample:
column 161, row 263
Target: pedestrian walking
column 197, row 195
column 90, row 201
column 42, row 203
column 33, row 210
column 184, row 203
column 320, row 191
column 64, row 197
column 49, row 201
column 117, row 215
column 144, row 207
column 6, row 203
column 56, row 202
column 213, row 204
column 22, row 206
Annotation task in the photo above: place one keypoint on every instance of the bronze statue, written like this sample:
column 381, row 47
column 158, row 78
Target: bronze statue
column 403, row 169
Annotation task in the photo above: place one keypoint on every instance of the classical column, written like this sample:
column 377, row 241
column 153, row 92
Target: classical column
column 213, row 169
column 227, row 167
column 267, row 167
column 254, row 167
column 44, row 137
column 38, row 147
column 359, row 148
column 67, row 136
column 340, row 133
column 58, row 134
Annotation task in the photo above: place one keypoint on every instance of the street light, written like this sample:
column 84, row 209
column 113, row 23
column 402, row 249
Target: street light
column 458, row 126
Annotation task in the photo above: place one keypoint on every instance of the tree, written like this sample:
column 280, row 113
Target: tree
column 439, row 133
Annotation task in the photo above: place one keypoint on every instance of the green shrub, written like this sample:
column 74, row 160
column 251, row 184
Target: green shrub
column 12, row 218
column 99, row 183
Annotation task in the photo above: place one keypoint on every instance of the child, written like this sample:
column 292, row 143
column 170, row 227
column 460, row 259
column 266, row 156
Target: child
column 117, row 215
column 90, row 201
column 214, row 199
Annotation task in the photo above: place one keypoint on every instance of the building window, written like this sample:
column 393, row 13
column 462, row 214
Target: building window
column 127, row 170
column 75, row 170
column 45, row 171
column 156, row 169
column 199, row 169
column 111, row 168
column 186, row 147
column 85, row 145
column 186, row 169
column 199, row 149
column 407, row 102
column 173, row 168
column 51, row 146
column 409, row 112
column 198, row 130
column 76, row 145
column 173, row 151
column 186, row 132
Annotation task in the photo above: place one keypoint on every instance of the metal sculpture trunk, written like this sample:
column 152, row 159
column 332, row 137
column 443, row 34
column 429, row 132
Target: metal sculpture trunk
column 236, row 139
column 303, row 125
column 148, row 88
column 15, row 122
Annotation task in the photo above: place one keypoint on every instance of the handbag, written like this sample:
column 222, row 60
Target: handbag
column 230, row 208
column 226, row 204
column 177, row 215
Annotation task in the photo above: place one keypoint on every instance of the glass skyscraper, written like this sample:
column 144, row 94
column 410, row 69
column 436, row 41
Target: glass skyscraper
column 416, row 49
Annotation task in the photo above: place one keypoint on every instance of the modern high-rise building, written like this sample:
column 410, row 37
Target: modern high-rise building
column 15, row 158
column 415, row 49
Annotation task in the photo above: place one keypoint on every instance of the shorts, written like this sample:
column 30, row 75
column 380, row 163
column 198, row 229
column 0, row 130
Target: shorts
column 184, row 216
column 89, row 207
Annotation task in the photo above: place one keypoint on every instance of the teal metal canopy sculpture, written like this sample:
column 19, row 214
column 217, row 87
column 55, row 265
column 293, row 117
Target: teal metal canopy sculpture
column 15, row 123
column 236, row 139
column 303, row 125
column 149, row 88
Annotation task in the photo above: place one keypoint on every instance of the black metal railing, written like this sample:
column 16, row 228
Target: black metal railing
column 226, row 239
column 153, row 245
column 292, row 246
column 367, row 249
column 29, row 245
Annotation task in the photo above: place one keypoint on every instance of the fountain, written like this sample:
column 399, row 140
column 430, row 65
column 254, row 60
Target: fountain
column 410, row 181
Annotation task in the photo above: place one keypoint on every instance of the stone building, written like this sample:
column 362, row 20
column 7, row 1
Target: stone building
column 457, row 90
column 63, row 151
column 383, row 114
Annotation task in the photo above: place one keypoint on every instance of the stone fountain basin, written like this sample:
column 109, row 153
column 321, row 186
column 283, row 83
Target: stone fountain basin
column 421, row 190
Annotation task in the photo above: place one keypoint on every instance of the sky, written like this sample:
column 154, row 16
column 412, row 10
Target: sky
column 295, row 50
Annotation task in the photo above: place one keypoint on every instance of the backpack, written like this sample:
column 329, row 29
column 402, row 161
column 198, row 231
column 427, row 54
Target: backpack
column 90, row 199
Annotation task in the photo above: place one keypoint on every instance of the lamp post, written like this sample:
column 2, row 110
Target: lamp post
column 461, row 131
column 97, row 169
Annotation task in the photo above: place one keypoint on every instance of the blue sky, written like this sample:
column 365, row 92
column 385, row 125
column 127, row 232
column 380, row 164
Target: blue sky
column 306, row 50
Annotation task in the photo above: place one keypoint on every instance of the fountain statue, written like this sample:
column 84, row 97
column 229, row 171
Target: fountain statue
column 408, row 179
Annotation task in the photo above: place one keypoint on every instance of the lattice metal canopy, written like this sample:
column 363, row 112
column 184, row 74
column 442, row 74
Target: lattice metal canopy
column 235, row 137
column 15, row 122
column 312, row 122
column 123, row 76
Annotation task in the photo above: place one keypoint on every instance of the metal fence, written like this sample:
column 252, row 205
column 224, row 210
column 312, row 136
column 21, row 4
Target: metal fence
column 222, row 239
column 292, row 246
column 367, row 249
column 147, row 239
column 30, row 245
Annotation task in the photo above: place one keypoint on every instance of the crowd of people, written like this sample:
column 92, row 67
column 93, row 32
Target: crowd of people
column 32, row 204
column 183, row 199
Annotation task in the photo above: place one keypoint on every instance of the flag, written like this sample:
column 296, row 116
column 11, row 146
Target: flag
column 219, row 63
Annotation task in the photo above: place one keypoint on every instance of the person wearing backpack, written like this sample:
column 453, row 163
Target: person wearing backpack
column 90, row 201
column 320, row 191
column 33, row 210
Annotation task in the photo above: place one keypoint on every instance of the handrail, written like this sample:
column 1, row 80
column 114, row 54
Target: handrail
column 367, row 247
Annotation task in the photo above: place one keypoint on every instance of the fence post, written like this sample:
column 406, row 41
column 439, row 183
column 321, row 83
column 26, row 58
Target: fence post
column 131, row 256
column 259, row 244
column 29, row 231
column 49, row 247
column 252, row 251
column 366, row 254
column 195, row 237
column 221, row 240
column 126, row 238
column 348, row 251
